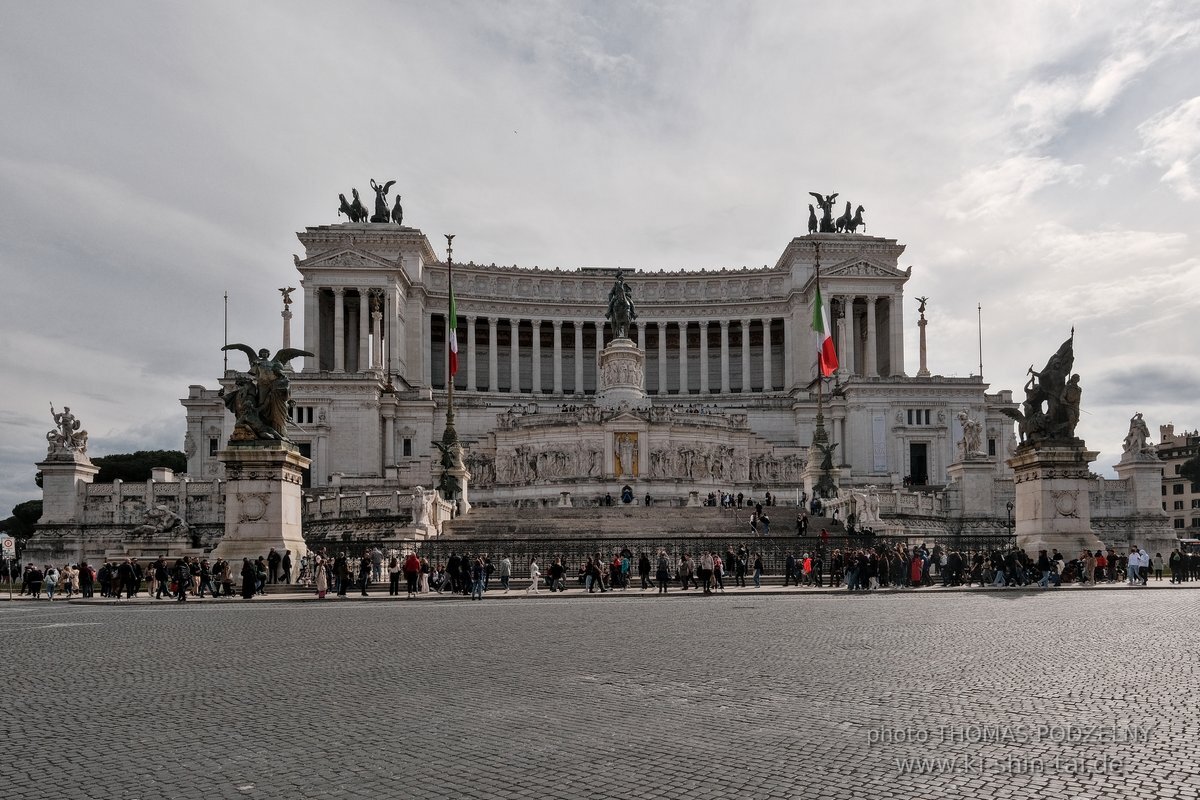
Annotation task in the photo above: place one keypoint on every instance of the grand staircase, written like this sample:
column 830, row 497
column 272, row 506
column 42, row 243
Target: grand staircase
column 622, row 522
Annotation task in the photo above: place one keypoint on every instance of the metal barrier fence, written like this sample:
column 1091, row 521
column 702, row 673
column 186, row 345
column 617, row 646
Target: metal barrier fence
column 574, row 552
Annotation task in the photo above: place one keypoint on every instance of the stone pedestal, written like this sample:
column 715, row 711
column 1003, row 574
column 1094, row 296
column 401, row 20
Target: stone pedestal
column 63, row 477
column 812, row 474
column 263, row 501
column 622, row 379
column 464, row 478
column 1053, row 506
column 1149, row 527
column 977, row 482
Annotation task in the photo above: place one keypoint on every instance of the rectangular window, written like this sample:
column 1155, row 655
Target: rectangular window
column 1179, row 505
column 1196, row 522
column 910, row 416
column 991, row 447
column 406, row 447
column 213, row 444
column 927, row 416
column 1178, row 523
column 1196, row 503
column 1177, row 489
column 1196, row 488
column 1177, row 466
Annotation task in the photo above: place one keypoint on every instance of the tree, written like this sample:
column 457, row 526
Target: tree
column 1191, row 469
column 24, row 518
column 137, row 466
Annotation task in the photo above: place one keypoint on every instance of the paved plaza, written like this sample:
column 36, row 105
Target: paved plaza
column 832, row 696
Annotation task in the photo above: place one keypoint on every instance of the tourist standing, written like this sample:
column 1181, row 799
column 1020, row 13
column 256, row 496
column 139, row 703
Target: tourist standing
column 425, row 569
column 286, row 566
column 478, row 572
column 644, row 570
column 273, row 560
column 663, row 573
column 412, row 571
column 393, row 576
column 366, row 566
column 249, row 579
column 320, row 578
column 535, row 576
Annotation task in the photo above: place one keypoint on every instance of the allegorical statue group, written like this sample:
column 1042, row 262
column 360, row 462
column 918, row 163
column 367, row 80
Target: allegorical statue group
column 846, row 223
column 357, row 212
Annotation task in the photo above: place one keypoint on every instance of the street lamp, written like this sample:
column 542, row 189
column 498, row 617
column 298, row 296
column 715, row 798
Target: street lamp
column 1008, row 507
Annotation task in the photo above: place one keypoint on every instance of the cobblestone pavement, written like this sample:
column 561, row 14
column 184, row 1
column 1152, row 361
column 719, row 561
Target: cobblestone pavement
column 1005, row 694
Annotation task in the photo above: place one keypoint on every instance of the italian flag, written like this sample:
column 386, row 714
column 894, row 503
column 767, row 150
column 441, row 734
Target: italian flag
column 453, row 331
column 826, row 356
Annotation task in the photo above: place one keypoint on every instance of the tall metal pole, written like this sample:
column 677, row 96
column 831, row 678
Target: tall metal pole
column 225, row 368
column 979, row 323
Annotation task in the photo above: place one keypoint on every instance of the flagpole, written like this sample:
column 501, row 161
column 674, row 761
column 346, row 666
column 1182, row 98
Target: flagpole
column 449, row 377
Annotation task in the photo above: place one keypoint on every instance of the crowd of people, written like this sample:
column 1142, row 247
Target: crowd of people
column 163, row 578
column 864, row 568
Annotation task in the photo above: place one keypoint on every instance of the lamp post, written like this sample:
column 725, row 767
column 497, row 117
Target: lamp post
column 1008, row 507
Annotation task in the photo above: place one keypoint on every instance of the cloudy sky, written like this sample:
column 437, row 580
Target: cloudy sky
column 1039, row 158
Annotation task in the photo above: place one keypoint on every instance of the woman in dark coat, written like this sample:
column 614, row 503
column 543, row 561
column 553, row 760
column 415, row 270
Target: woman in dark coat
column 249, row 579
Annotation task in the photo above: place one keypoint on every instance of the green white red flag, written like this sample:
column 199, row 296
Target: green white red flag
column 826, row 356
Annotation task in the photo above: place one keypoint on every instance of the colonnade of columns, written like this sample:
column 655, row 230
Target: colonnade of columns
column 349, row 334
column 867, row 346
column 682, row 359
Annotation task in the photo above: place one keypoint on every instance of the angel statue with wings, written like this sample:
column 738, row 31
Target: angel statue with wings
column 261, row 397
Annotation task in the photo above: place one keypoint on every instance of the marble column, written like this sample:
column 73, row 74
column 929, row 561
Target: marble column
column 514, row 351
column 641, row 338
column 470, row 354
column 662, row 358
column 789, row 353
column 375, row 302
column 558, row 383
column 312, row 329
column 725, row 356
column 536, row 356
column 493, row 361
column 896, row 334
column 768, row 378
column 871, row 350
column 745, row 356
column 391, row 314
column 389, row 437
column 845, row 356
column 683, row 358
column 704, row 356
column 578, row 357
column 339, row 329
column 364, row 330
column 426, row 346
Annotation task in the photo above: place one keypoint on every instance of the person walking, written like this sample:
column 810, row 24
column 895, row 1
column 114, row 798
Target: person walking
column 286, row 565
column 535, row 576
column 644, row 570
column 50, row 581
column 758, row 570
column 505, row 572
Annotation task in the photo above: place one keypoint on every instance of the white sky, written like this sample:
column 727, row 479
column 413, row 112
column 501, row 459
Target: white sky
column 1039, row 158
